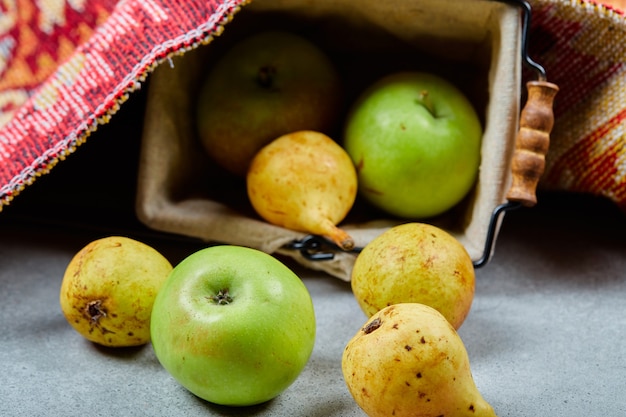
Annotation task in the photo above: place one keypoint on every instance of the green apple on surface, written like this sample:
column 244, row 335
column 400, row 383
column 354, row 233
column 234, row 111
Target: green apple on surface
column 268, row 84
column 415, row 139
column 233, row 325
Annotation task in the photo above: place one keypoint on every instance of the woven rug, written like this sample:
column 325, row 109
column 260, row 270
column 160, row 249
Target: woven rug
column 66, row 67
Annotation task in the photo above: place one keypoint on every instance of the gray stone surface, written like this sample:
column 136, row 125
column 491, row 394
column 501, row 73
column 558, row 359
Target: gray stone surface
column 545, row 335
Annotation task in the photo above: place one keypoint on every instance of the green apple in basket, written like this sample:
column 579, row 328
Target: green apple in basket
column 233, row 325
column 415, row 139
column 267, row 85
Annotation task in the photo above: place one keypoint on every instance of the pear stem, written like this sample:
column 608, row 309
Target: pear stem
column 339, row 237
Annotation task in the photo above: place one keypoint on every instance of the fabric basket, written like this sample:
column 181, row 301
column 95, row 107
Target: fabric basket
column 474, row 43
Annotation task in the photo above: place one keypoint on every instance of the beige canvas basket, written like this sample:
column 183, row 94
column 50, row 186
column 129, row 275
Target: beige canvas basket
column 474, row 43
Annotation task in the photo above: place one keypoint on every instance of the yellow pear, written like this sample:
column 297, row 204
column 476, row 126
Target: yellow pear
column 415, row 263
column 108, row 290
column 304, row 181
column 409, row 361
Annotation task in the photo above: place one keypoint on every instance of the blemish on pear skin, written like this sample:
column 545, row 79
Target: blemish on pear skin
column 428, row 263
column 278, row 212
column 95, row 311
column 373, row 325
column 408, row 348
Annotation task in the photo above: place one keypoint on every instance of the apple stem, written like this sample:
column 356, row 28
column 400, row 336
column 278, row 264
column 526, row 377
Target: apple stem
column 265, row 76
column 424, row 99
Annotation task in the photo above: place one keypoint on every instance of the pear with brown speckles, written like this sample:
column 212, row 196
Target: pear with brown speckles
column 304, row 181
column 409, row 361
column 108, row 290
column 415, row 263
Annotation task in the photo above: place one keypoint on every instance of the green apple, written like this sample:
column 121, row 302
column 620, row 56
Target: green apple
column 267, row 85
column 233, row 325
column 415, row 139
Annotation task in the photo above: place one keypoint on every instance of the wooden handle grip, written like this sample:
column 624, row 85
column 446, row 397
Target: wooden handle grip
column 532, row 142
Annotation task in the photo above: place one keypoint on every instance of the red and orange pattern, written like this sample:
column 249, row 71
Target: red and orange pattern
column 89, row 56
column 35, row 38
column 581, row 44
column 67, row 65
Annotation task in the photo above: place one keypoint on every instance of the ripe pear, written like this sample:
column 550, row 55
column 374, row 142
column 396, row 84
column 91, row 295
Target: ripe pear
column 419, row 263
column 409, row 361
column 268, row 84
column 108, row 290
column 304, row 181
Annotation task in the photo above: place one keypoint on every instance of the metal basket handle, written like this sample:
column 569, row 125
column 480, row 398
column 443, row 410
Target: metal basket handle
column 527, row 164
column 532, row 141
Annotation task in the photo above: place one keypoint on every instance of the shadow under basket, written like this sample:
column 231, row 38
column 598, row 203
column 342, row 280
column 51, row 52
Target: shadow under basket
column 475, row 44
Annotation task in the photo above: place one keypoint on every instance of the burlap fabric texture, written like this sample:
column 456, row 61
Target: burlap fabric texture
column 180, row 191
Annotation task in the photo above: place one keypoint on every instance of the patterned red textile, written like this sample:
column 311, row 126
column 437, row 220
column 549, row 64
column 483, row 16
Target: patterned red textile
column 582, row 47
column 66, row 66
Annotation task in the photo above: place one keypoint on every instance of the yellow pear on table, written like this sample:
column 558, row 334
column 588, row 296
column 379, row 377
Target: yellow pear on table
column 108, row 290
column 415, row 263
column 409, row 361
column 304, row 181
